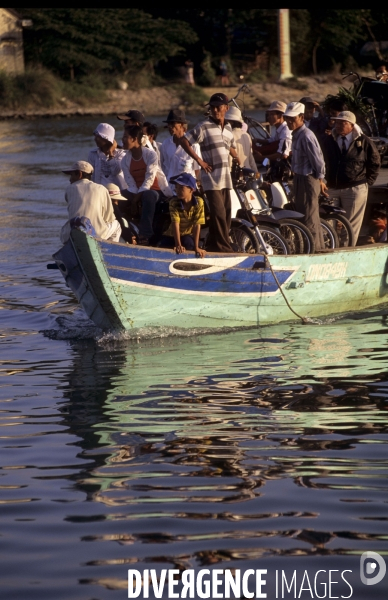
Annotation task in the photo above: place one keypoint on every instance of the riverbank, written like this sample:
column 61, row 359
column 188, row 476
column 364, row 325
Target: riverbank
column 159, row 100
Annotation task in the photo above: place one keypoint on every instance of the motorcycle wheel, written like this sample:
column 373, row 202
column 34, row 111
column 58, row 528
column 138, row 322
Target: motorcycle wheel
column 330, row 237
column 244, row 239
column 274, row 239
column 343, row 229
column 298, row 236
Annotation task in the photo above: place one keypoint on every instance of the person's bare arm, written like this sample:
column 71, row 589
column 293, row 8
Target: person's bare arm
column 179, row 249
column 319, row 109
column 112, row 149
column 184, row 142
column 196, row 232
column 233, row 153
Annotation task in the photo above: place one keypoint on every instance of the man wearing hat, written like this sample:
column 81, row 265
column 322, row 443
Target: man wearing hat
column 135, row 117
column 243, row 140
column 352, row 164
column 91, row 200
column 132, row 117
column 279, row 144
column 308, row 166
column 173, row 158
column 215, row 138
column 318, row 124
column 106, row 158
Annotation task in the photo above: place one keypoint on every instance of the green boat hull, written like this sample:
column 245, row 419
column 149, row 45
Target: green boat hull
column 124, row 287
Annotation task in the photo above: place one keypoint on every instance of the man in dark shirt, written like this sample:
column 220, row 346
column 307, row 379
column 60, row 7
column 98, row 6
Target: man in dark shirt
column 352, row 163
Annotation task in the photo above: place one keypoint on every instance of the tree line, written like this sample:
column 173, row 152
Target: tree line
column 79, row 42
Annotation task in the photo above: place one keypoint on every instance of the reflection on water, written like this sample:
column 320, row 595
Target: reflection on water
column 213, row 450
column 251, row 449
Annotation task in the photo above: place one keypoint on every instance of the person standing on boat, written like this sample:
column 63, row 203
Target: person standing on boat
column 216, row 141
column 317, row 124
column 243, row 140
column 352, row 163
column 145, row 180
column 91, row 200
column 105, row 168
column 308, row 166
column 175, row 159
column 278, row 145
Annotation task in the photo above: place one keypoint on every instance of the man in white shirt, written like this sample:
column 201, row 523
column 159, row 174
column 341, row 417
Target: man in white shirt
column 91, row 200
column 106, row 157
column 281, row 140
column 243, row 140
column 174, row 159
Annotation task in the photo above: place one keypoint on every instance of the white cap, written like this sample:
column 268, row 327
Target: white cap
column 114, row 191
column 80, row 165
column 294, row 109
column 278, row 105
column 345, row 115
column 106, row 131
column 234, row 114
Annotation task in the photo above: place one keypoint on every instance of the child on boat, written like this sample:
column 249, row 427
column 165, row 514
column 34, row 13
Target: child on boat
column 187, row 215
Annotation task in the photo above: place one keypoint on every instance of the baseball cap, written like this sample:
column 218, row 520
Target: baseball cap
column 218, row 99
column 278, row 105
column 135, row 115
column 80, row 165
column 234, row 114
column 176, row 115
column 345, row 115
column 294, row 109
column 185, row 179
column 114, row 191
column 106, row 131
column 307, row 100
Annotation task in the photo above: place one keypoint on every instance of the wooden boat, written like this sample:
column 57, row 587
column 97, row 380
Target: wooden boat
column 122, row 286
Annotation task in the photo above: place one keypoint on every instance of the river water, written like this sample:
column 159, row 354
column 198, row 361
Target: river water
column 256, row 449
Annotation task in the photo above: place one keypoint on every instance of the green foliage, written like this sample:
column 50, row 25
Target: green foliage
column 209, row 74
column 256, row 76
column 38, row 89
column 350, row 98
column 81, row 41
column 191, row 95
column 130, row 43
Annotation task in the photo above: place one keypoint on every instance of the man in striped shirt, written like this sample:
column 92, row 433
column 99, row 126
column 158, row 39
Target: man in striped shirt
column 215, row 138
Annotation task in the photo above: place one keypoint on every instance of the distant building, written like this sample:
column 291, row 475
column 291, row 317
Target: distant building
column 11, row 41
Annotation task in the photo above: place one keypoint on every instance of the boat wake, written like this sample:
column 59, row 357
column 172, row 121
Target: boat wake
column 73, row 327
column 150, row 333
column 78, row 327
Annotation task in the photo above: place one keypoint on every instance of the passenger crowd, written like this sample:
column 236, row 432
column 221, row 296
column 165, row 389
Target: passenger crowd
column 328, row 153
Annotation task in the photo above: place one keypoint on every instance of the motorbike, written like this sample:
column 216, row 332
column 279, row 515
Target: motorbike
column 253, row 222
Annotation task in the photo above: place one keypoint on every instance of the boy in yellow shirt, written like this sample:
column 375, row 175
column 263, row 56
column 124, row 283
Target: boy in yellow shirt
column 187, row 215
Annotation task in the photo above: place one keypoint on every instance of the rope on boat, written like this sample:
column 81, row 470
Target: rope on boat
column 305, row 320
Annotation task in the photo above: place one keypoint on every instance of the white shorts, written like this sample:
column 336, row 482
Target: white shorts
column 113, row 231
